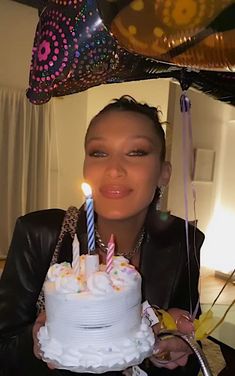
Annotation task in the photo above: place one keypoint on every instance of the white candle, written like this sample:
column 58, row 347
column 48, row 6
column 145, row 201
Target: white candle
column 76, row 255
column 92, row 264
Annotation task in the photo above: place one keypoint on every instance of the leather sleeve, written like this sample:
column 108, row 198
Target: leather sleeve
column 185, row 293
column 28, row 259
column 166, row 280
column 170, row 275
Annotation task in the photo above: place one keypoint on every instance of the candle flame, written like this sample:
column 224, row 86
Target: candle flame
column 86, row 188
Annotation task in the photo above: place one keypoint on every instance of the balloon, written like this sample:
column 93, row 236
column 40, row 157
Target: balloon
column 198, row 34
column 74, row 51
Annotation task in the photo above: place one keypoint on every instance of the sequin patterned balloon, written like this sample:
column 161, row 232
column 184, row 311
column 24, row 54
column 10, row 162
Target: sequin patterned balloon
column 70, row 43
column 74, row 51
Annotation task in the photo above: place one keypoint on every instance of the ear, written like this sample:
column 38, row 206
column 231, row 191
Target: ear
column 165, row 174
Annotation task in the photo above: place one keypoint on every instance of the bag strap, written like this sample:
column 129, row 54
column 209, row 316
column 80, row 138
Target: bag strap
column 69, row 225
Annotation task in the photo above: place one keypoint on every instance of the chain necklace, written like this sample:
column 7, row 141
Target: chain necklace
column 127, row 254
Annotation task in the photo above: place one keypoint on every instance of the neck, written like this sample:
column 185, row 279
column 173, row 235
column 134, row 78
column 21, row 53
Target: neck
column 126, row 232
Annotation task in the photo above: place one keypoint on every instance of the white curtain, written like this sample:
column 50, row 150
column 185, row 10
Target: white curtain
column 28, row 160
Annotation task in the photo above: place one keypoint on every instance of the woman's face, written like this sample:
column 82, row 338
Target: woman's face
column 122, row 164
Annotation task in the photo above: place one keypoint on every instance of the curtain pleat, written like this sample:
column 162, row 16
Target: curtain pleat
column 28, row 159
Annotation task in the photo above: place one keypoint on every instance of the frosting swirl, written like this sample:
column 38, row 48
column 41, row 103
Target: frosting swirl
column 64, row 278
column 99, row 283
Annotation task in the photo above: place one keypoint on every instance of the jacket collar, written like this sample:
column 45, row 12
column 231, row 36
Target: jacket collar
column 161, row 227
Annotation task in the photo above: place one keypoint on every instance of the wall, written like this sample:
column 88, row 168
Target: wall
column 17, row 28
column 154, row 92
column 211, row 130
column 220, row 231
column 70, row 119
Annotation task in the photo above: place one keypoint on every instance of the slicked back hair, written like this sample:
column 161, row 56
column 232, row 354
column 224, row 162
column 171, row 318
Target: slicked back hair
column 127, row 103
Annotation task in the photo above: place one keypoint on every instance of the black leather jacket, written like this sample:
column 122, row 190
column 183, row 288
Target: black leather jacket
column 163, row 266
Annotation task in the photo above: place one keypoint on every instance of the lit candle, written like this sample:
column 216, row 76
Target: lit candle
column 89, row 217
column 76, row 255
column 110, row 254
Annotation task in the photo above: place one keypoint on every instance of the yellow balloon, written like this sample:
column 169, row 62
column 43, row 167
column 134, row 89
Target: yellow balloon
column 191, row 33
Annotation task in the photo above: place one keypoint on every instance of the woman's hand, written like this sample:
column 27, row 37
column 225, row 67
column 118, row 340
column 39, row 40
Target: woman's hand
column 40, row 321
column 173, row 352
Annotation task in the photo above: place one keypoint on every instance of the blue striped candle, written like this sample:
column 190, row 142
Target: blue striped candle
column 89, row 217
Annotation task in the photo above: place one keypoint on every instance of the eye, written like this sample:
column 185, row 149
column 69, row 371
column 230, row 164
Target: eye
column 97, row 154
column 138, row 153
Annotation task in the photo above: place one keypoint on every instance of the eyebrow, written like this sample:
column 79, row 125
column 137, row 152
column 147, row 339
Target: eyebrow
column 102, row 138
column 143, row 137
column 96, row 138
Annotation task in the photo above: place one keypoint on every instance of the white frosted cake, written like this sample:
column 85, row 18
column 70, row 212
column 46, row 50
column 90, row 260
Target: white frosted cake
column 94, row 321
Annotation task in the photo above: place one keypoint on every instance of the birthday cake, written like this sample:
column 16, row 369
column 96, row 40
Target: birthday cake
column 94, row 320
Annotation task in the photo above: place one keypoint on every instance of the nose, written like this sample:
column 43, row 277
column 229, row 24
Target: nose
column 115, row 167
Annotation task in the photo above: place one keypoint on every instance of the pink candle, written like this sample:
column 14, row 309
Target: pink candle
column 110, row 254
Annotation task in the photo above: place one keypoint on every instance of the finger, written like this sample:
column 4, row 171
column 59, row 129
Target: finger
column 35, row 330
column 171, row 344
column 156, row 328
column 40, row 321
column 185, row 324
column 37, row 351
column 177, row 312
column 183, row 320
column 51, row 366
column 170, row 361
column 180, row 358
column 163, row 363
column 41, row 318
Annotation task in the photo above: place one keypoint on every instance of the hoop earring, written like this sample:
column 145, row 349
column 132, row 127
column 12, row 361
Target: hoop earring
column 160, row 195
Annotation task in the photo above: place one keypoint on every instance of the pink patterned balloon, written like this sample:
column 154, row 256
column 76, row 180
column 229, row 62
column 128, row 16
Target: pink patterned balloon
column 72, row 51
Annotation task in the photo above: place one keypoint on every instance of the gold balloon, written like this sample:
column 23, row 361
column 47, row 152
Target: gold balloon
column 192, row 33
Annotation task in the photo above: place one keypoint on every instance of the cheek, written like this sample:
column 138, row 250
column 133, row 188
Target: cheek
column 147, row 193
column 148, row 181
column 148, row 176
column 85, row 167
column 145, row 189
column 88, row 170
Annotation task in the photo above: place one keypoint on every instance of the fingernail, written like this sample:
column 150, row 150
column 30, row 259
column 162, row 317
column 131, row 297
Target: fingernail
column 156, row 349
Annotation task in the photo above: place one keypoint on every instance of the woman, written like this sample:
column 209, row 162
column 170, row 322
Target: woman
column 125, row 165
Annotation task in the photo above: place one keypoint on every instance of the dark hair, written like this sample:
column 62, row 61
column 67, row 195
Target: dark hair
column 127, row 103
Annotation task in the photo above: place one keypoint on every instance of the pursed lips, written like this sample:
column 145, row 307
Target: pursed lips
column 115, row 191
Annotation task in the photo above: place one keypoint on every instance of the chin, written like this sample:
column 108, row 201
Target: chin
column 114, row 215
column 119, row 212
